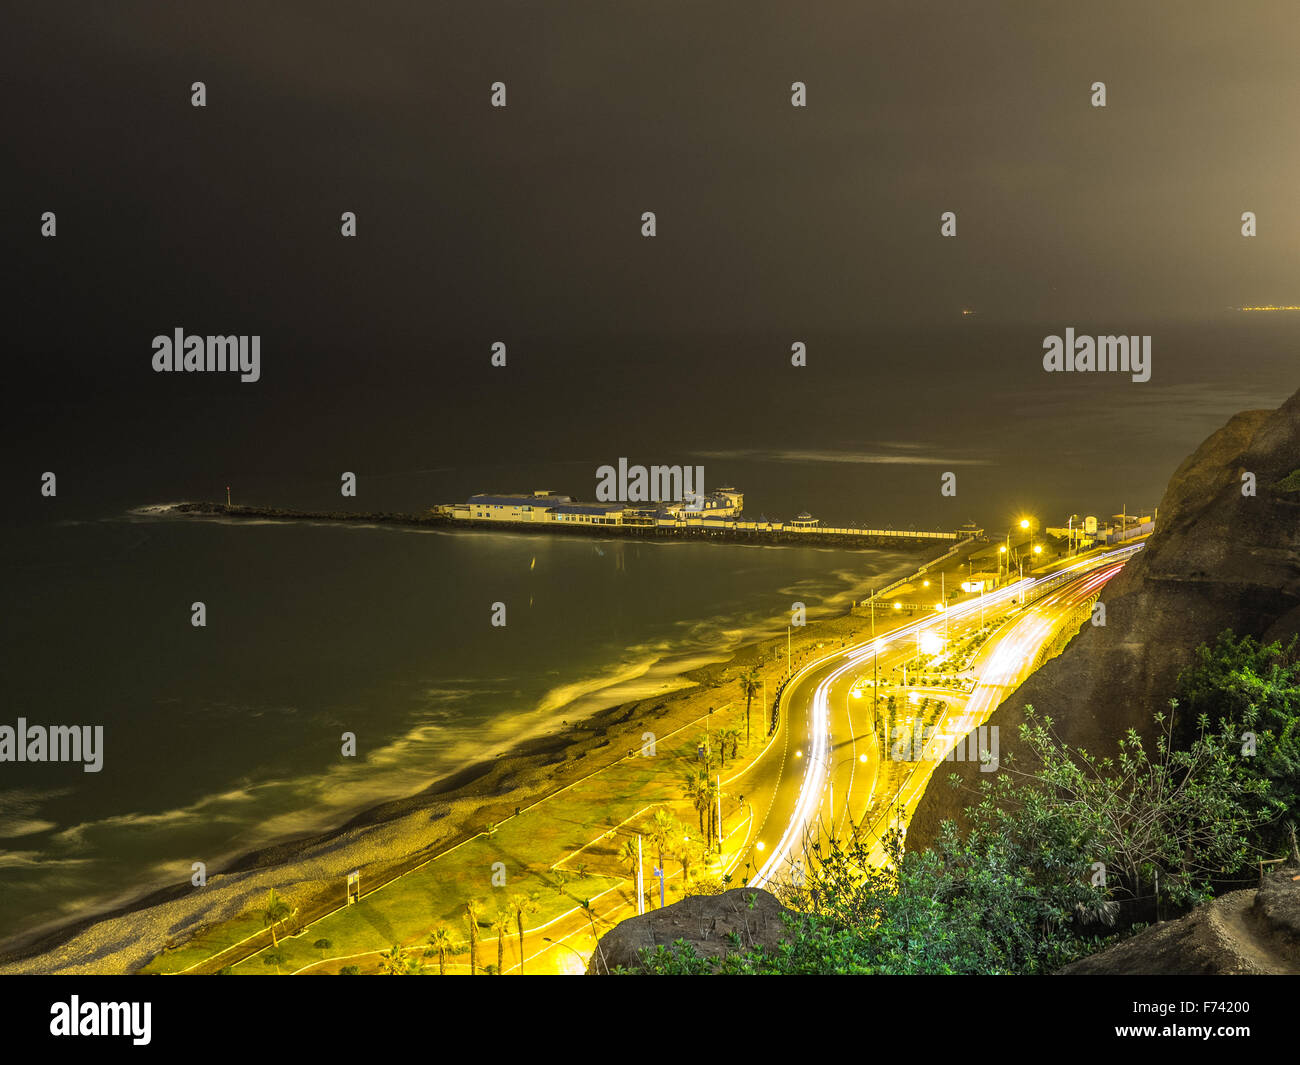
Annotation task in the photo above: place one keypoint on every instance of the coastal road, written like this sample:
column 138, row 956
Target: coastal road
column 826, row 765
column 827, row 760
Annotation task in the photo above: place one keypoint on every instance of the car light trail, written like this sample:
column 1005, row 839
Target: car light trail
column 1028, row 632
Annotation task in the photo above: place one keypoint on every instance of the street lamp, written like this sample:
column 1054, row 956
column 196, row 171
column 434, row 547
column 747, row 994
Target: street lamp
column 561, row 943
column 1025, row 524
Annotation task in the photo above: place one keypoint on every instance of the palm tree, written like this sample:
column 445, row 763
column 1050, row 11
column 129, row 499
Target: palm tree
column 441, row 941
column 730, row 737
column 473, row 911
column 696, row 788
column 501, row 925
column 712, row 794
column 749, row 684
column 595, row 938
column 277, row 910
column 686, row 852
column 663, row 829
column 394, row 962
column 521, row 904
column 628, row 853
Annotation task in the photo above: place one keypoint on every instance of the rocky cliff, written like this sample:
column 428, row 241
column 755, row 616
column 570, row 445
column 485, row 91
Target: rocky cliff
column 1243, row 933
column 1220, row 558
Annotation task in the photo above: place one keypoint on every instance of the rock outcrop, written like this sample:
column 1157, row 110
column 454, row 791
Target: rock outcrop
column 1218, row 559
column 1243, row 933
column 707, row 922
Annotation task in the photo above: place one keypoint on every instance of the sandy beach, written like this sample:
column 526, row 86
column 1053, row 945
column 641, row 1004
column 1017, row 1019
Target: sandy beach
column 394, row 836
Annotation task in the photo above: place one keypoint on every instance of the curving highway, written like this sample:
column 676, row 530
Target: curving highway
column 824, row 771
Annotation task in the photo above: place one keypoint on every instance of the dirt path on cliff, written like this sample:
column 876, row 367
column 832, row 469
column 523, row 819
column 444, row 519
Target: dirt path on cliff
column 1242, row 934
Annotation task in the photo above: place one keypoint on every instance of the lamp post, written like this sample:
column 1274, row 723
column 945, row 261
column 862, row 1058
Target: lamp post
column 719, row 780
column 1026, row 524
column 875, row 683
column 943, row 599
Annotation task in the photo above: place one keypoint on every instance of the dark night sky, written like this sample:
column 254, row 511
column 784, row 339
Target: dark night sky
column 522, row 224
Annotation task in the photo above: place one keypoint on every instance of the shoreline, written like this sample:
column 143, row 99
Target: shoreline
column 387, row 837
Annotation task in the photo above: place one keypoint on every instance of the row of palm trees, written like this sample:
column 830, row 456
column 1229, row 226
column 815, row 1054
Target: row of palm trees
column 667, row 835
column 669, row 838
column 507, row 920
column 703, row 791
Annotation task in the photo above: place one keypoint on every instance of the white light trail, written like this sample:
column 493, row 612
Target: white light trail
column 1003, row 668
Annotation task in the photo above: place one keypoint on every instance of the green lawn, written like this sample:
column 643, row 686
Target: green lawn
column 587, row 817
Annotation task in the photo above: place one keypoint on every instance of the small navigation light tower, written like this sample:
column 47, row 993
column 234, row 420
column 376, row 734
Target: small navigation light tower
column 227, row 495
column 354, row 886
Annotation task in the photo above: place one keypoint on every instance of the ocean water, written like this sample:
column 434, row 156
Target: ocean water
column 221, row 738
